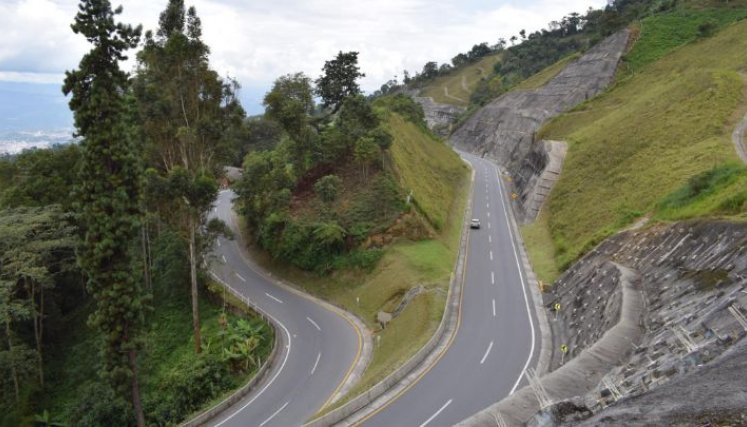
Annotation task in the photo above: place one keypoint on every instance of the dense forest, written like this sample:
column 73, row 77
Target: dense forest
column 103, row 241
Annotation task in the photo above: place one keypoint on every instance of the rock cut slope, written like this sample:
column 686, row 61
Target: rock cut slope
column 503, row 129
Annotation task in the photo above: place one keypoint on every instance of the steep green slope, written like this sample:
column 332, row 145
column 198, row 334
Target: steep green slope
column 645, row 138
column 456, row 87
column 436, row 179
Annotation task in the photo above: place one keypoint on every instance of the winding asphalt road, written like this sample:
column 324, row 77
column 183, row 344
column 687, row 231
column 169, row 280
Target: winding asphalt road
column 497, row 338
column 318, row 347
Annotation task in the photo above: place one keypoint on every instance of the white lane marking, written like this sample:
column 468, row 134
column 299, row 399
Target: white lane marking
column 523, row 287
column 218, row 241
column 276, row 299
column 436, row 414
column 490, row 238
column 314, row 323
column 490, row 347
column 223, row 257
column 280, row 369
column 493, row 307
column 488, row 225
column 273, row 415
column 488, row 205
column 491, row 255
column 240, row 278
column 318, row 356
column 488, row 214
column 492, row 277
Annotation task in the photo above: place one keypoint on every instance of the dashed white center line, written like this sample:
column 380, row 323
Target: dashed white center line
column 314, row 323
column 490, row 239
column 273, row 415
column 488, row 206
column 488, row 214
column 486, row 353
column 223, row 257
column 488, row 225
column 276, row 299
column 436, row 414
column 493, row 307
column 240, row 278
column 318, row 356
column 491, row 255
column 492, row 278
column 218, row 241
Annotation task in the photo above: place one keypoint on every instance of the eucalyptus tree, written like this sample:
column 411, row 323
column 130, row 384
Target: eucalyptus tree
column 188, row 116
column 108, row 191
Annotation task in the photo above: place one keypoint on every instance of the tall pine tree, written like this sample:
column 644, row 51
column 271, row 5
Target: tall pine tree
column 108, row 193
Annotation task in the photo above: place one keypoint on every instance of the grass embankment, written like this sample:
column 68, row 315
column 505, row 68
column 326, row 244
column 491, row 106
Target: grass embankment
column 438, row 180
column 461, row 82
column 175, row 382
column 540, row 79
column 656, row 129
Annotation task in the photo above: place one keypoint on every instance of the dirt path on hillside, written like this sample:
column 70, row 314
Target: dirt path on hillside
column 446, row 94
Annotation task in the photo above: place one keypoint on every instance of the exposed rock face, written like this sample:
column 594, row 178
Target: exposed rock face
column 504, row 129
column 439, row 117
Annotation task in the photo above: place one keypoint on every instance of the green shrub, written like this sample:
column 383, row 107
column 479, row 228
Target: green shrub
column 328, row 187
column 702, row 185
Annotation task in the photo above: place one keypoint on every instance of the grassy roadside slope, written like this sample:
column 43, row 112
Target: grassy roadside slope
column 470, row 74
column 439, row 182
column 646, row 138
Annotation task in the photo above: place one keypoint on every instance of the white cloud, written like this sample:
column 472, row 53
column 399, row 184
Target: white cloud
column 257, row 41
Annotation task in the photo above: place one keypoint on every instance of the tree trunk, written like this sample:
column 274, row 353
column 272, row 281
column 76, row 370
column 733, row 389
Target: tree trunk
column 193, row 277
column 13, row 370
column 146, row 257
column 137, row 405
column 38, row 334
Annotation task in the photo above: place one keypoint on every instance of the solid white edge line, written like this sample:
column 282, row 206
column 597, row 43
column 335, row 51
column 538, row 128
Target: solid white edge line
column 436, row 414
column 523, row 284
column 240, row 278
column 282, row 365
column 318, row 356
column 313, row 323
column 490, row 347
column 275, row 298
column 493, row 307
column 273, row 415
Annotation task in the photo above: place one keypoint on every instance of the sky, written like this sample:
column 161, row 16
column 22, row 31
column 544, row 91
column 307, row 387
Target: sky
column 255, row 41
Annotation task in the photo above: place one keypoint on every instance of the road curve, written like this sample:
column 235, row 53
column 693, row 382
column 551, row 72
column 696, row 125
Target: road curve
column 318, row 347
column 497, row 338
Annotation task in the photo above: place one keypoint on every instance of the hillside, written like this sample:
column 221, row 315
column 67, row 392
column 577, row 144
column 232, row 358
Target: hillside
column 456, row 87
column 649, row 136
column 404, row 264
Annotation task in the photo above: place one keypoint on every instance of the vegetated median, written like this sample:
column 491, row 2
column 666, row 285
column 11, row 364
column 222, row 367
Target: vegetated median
column 412, row 246
column 657, row 143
